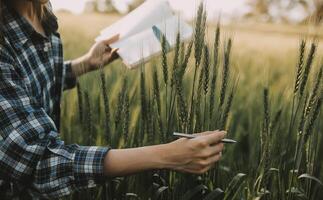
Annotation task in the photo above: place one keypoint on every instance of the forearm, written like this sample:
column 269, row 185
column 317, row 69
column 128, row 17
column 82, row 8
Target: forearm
column 98, row 56
column 129, row 161
column 81, row 65
column 188, row 155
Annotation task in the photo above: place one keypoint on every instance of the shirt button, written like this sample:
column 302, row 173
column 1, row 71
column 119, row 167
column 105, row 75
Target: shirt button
column 47, row 47
column 91, row 184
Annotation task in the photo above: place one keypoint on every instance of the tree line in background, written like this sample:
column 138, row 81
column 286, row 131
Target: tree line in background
column 312, row 8
column 266, row 10
column 110, row 5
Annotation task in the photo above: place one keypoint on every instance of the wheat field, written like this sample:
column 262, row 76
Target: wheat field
column 256, row 100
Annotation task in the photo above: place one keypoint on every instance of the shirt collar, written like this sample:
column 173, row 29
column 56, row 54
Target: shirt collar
column 18, row 30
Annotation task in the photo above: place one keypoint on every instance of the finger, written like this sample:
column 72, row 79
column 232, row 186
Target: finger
column 210, row 161
column 196, row 169
column 214, row 138
column 114, row 51
column 114, row 57
column 204, row 170
column 111, row 40
column 109, row 57
column 114, row 54
column 204, row 133
column 214, row 150
column 190, row 171
column 215, row 158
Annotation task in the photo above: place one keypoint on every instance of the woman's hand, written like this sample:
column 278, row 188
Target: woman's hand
column 99, row 55
column 196, row 155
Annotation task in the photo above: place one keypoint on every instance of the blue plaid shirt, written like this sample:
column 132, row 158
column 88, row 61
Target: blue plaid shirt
column 33, row 76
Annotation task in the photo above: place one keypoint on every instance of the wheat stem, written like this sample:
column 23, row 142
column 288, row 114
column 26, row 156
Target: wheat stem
column 89, row 117
column 300, row 65
column 214, row 74
column 307, row 69
column 106, row 107
column 143, row 103
column 80, row 101
column 126, row 120
column 225, row 72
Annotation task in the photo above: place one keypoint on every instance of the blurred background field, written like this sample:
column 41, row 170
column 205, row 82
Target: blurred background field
column 264, row 55
column 264, row 49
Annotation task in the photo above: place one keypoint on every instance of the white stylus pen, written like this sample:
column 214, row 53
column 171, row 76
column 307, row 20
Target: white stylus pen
column 190, row 136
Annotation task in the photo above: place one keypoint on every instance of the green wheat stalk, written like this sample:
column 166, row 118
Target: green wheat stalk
column 315, row 101
column 299, row 145
column 126, row 120
column 315, row 91
column 304, row 115
column 181, row 101
column 186, row 59
column 266, row 121
column 182, row 53
column 156, row 90
column 228, row 107
column 214, row 73
column 164, row 60
column 308, row 107
column 89, row 118
column 307, row 68
column 266, row 143
column 157, row 100
column 276, row 119
column 106, row 107
column 198, row 53
column 170, row 103
column 198, row 33
column 174, row 71
column 299, row 86
column 150, row 122
column 225, row 72
column 200, row 83
column 206, row 71
column 300, row 66
column 165, row 69
column 143, row 102
column 118, row 113
column 176, row 57
column 80, row 101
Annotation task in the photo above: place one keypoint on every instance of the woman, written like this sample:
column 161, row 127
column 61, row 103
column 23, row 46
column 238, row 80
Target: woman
column 33, row 76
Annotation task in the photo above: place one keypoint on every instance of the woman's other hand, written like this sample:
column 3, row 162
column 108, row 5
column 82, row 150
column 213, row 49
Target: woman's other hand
column 196, row 155
column 102, row 54
column 99, row 55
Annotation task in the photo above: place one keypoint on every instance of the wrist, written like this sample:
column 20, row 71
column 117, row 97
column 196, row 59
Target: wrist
column 165, row 156
column 81, row 65
column 86, row 62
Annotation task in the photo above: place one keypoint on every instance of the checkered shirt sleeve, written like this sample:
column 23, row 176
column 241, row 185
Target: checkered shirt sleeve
column 31, row 152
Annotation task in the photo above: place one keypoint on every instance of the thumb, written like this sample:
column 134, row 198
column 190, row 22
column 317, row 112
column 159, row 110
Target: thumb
column 204, row 133
column 114, row 51
column 112, row 55
column 111, row 40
